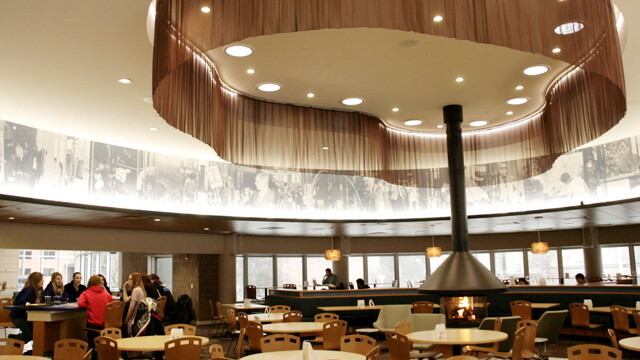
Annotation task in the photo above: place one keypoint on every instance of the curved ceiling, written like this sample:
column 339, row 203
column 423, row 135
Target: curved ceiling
column 415, row 73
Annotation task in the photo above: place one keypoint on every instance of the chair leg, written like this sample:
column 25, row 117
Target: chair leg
column 234, row 340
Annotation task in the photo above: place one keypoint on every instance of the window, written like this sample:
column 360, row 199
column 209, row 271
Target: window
column 160, row 265
column 412, row 269
column 289, row 270
column 261, row 271
column 356, row 269
column 381, row 270
column 316, row 266
column 47, row 272
column 484, row 258
column 48, row 254
column 572, row 263
column 239, row 278
column 636, row 252
column 434, row 263
column 26, row 271
column 543, row 266
column 615, row 260
column 508, row 264
column 26, row 254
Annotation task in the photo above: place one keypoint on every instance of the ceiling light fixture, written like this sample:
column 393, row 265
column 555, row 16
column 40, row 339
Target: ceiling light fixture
column 459, row 79
column 310, row 95
column 238, row 50
column 269, row 87
column 556, row 50
column 569, row 28
column 437, row 18
column 332, row 254
column 156, row 220
column 11, row 218
column 125, row 81
column 153, row 128
column 518, row 101
column 395, row 109
column 509, row 112
column 414, row 122
column 148, row 100
column 536, row 70
column 206, row 229
column 478, row 123
column 325, row 148
column 205, row 9
column 519, row 87
column 250, row 71
column 352, row 101
column 440, row 126
column 539, row 247
column 433, row 251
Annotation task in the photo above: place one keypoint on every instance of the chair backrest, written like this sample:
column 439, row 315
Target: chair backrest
column 187, row 330
column 254, row 333
column 251, row 292
column 518, row 343
column 113, row 333
column 233, row 322
column 404, row 327
column 220, row 315
column 422, row 307
column 509, row 326
column 521, row 308
column 279, row 342
column 620, row 317
column 214, row 316
column 240, row 344
column 422, row 322
column 636, row 318
column 356, row 343
column 399, row 346
column 593, row 352
column 216, row 351
column 292, row 316
column 325, row 317
column 113, row 314
column 462, row 357
column 374, row 354
column 11, row 347
column 550, row 324
column 332, row 332
column 579, row 315
column 529, row 341
column 162, row 303
column 613, row 338
column 289, row 286
column 243, row 320
column 279, row 308
column 390, row 314
column 106, row 348
column 70, row 349
column 4, row 313
column 184, row 348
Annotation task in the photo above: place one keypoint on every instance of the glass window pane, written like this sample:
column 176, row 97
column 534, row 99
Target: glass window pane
column 484, row 258
column 435, row 262
column 290, row 270
column 572, row 263
column 316, row 266
column 636, row 251
column 239, row 278
column 412, row 268
column 615, row 260
column 164, row 270
column 543, row 266
column 260, row 271
column 356, row 269
column 509, row 264
column 380, row 269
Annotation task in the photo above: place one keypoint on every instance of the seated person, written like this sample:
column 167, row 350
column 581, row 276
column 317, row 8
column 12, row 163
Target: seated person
column 55, row 289
column 361, row 284
column 95, row 299
column 30, row 293
column 522, row 281
column 580, row 279
column 330, row 279
column 75, row 288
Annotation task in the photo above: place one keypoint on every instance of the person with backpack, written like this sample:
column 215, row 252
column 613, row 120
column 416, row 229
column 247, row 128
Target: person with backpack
column 138, row 294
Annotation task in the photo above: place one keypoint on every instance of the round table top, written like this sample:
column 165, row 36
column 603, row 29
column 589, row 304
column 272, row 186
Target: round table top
column 267, row 318
column 631, row 343
column 293, row 327
column 297, row 355
column 149, row 343
column 458, row 337
column 22, row 357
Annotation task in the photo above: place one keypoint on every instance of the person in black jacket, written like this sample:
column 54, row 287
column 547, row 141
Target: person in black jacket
column 30, row 293
column 164, row 291
column 75, row 288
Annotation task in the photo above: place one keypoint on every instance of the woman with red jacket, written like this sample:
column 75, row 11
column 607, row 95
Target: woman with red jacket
column 95, row 300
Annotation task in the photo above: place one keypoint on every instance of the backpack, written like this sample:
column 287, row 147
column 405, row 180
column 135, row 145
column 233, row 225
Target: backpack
column 184, row 310
column 146, row 313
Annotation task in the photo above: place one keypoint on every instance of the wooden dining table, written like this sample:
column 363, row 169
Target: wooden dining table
column 241, row 307
column 149, row 343
column 452, row 342
column 607, row 309
column 544, row 305
column 293, row 328
column 297, row 355
column 23, row 357
column 630, row 343
column 267, row 318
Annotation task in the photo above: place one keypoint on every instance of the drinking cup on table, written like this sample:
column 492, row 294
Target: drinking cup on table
column 589, row 303
column 637, row 305
column 47, row 299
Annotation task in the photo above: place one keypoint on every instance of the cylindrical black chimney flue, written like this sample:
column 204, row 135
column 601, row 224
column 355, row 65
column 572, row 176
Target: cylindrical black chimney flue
column 459, row 233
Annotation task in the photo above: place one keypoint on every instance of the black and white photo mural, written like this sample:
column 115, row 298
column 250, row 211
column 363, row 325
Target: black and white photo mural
column 42, row 164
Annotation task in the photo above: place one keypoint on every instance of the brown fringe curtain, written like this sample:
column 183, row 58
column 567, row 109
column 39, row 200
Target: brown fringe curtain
column 188, row 94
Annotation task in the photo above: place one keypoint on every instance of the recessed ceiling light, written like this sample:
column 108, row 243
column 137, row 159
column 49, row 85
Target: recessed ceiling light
column 205, row 9
column 413, row 122
column 478, row 123
column 568, row 28
column 206, row 229
column 536, row 70
column 250, row 71
column 238, row 50
column 11, row 218
column 148, row 100
column 519, row 87
column 352, row 101
column 437, row 18
column 509, row 112
column 156, row 220
column 556, row 50
column 440, row 126
column 269, row 87
column 125, row 81
column 153, row 128
column 395, row 109
column 310, row 95
column 325, row 148
column 459, row 79
column 517, row 101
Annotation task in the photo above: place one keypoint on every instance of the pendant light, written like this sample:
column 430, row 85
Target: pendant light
column 333, row 254
column 433, row 251
column 539, row 247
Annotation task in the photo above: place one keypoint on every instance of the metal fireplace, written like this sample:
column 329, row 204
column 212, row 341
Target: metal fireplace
column 463, row 311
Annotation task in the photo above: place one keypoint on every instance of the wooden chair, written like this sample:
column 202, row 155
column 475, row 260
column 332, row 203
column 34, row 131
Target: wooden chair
column 234, row 332
column 106, row 348
column 476, row 350
column 356, row 343
column 254, row 334
column 113, row 314
column 279, row 309
column 400, row 348
column 162, row 304
column 332, row 332
column 636, row 318
column 279, row 342
column 613, row 338
column 323, row 318
column 251, row 292
column 524, row 343
column 593, row 352
column 462, row 357
column 187, row 330
column 404, row 328
column 521, row 308
column 218, row 317
column 70, row 349
column 11, row 347
column 240, row 344
column 621, row 320
column 422, row 307
column 374, row 354
column 216, row 351
column 184, row 348
column 113, row 333
column 5, row 319
column 292, row 316
column 290, row 286
column 580, row 318
column 243, row 319
column 516, row 352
